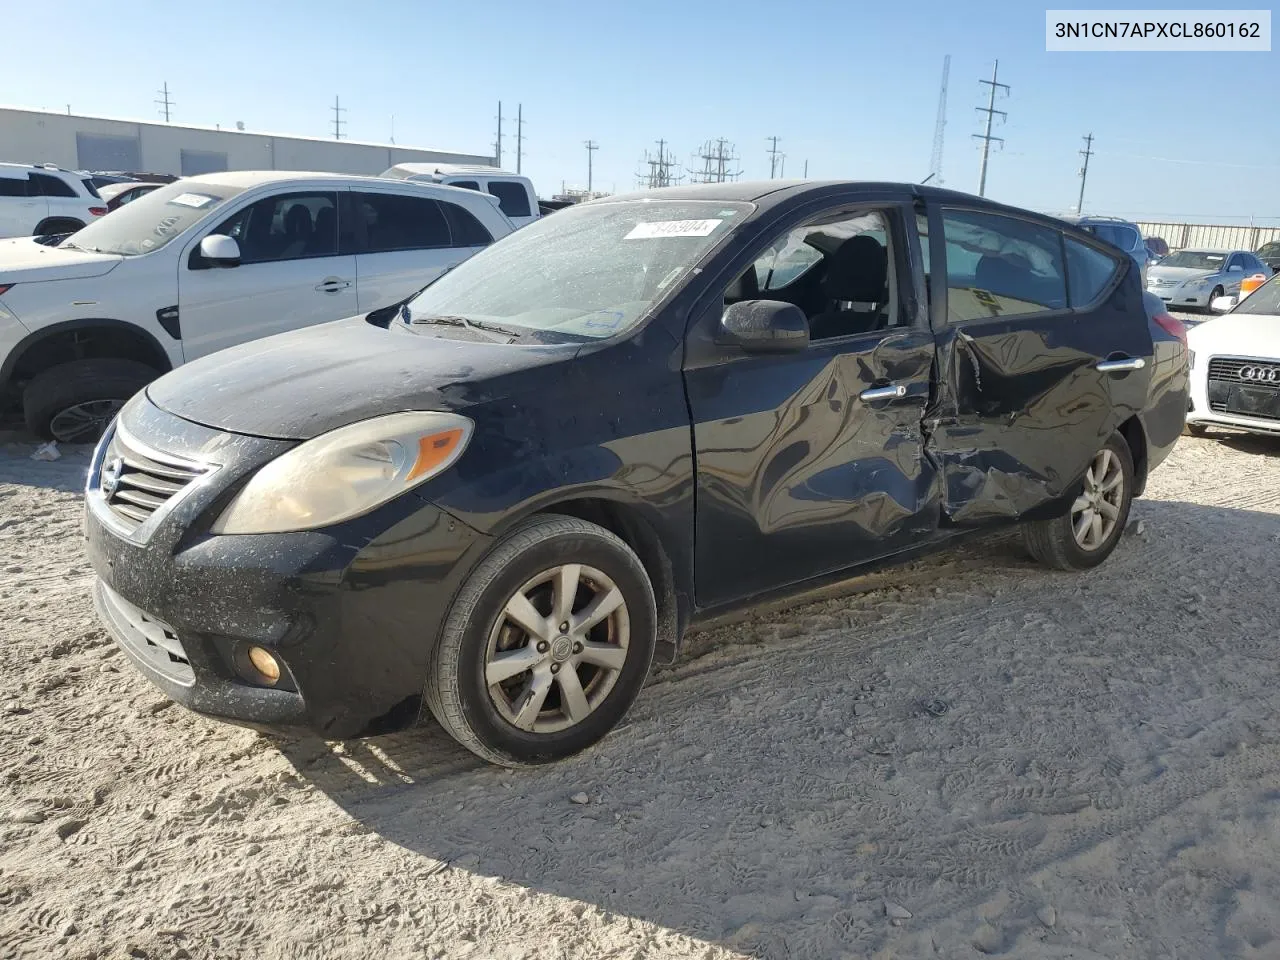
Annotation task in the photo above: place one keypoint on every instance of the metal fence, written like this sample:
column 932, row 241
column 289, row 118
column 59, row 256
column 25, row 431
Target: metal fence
column 1179, row 236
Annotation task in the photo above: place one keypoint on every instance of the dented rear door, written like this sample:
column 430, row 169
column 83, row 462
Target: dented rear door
column 1022, row 406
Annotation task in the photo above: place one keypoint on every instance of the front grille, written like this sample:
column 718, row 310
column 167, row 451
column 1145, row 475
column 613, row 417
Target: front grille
column 136, row 484
column 1158, row 282
column 1243, row 370
column 151, row 640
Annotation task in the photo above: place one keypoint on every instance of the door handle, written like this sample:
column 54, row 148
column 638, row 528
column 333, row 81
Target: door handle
column 1120, row 366
column 894, row 391
column 332, row 285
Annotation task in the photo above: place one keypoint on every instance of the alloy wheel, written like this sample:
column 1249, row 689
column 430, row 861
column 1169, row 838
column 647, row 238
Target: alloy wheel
column 557, row 648
column 83, row 422
column 1096, row 511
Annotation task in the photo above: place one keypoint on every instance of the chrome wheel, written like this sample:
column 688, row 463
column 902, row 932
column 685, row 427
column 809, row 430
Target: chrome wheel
column 83, row 422
column 557, row 649
column 1096, row 511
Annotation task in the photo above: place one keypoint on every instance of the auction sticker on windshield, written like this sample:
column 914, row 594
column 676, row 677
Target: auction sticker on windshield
column 196, row 200
column 672, row 228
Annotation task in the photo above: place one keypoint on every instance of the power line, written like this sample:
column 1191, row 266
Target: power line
column 773, row 156
column 519, row 135
column 165, row 103
column 1087, row 152
column 986, row 137
column 592, row 147
column 939, row 127
column 338, row 122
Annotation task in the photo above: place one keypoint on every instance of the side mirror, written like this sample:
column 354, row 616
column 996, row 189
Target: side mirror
column 764, row 326
column 1223, row 304
column 220, row 250
column 1235, row 268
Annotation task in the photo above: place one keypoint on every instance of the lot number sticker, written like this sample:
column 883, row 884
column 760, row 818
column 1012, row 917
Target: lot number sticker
column 192, row 200
column 672, row 228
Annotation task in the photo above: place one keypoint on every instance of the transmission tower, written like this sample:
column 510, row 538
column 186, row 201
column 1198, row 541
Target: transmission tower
column 165, row 103
column 717, row 158
column 986, row 137
column 338, row 111
column 659, row 172
column 935, row 161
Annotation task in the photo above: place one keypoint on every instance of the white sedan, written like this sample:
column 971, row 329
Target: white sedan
column 1235, row 366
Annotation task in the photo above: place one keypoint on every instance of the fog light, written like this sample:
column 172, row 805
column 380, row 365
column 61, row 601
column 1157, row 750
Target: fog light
column 265, row 664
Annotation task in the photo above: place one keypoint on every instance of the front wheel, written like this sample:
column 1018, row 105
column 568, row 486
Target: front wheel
column 547, row 644
column 1217, row 292
column 1090, row 530
column 73, row 402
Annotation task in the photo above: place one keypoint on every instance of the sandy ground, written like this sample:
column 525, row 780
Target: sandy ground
column 969, row 756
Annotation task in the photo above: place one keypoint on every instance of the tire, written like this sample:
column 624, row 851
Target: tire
column 1195, row 429
column 57, row 225
column 1217, row 292
column 478, row 629
column 1054, row 542
column 99, row 387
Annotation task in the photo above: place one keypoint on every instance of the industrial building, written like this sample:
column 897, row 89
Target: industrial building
column 101, row 144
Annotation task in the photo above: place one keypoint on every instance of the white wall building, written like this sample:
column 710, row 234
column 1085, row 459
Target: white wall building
column 98, row 143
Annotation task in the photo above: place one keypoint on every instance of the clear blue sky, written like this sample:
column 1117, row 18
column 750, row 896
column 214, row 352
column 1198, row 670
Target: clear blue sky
column 849, row 85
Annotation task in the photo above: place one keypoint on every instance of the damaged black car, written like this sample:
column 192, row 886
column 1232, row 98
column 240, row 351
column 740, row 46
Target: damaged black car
column 502, row 503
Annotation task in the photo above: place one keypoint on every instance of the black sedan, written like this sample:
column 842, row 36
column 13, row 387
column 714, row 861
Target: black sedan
column 502, row 502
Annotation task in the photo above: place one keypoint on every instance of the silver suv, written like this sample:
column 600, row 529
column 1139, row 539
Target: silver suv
column 1119, row 233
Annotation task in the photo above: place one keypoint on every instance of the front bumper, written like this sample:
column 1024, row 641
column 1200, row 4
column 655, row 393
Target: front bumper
column 1202, row 413
column 1183, row 296
column 351, row 613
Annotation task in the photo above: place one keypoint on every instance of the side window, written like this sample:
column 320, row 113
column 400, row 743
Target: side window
column 91, row 189
column 1130, row 238
column 395, row 222
column 1235, row 261
column 47, row 186
column 1089, row 272
column 290, row 226
column 513, row 198
column 13, row 187
column 838, row 269
column 464, row 184
column 1001, row 266
column 464, row 229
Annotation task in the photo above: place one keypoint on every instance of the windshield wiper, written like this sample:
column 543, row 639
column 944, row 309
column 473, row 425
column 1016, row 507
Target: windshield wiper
column 453, row 321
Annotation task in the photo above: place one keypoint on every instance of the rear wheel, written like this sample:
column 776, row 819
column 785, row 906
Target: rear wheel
column 1090, row 530
column 547, row 644
column 73, row 402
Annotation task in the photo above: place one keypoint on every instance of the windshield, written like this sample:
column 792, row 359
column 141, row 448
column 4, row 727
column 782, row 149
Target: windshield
column 1196, row 259
column 589, row 272
column 152, row 220
column 1266, row 299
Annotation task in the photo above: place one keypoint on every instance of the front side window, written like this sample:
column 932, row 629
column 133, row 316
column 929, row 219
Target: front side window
column 154, row 220
column 1000, row 266
column 392, row 222
column 47, row 186
column 1089, row 272
column 289, row 226
column 589, row 273
column 513, row 198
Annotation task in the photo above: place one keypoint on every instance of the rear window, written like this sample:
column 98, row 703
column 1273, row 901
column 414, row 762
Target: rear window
column 1116, row 234
column 1089, row 273
column 464, row 184
column 47, row 186
column 1000, row 266
column 513, row 198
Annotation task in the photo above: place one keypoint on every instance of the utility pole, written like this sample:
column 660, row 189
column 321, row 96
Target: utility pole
column 592, row 147
column 659, row 173
column 939, row 127
column 165, row 103
column 519, row 135
column 806, row 169
column 986, row 137
column 716, row 156
column 1087, row 152
column 393, row 128
column 338, row 111
column 773, row 156
column 497, row 144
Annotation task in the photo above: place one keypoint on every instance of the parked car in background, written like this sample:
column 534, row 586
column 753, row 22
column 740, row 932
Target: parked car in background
column 1195, row 278
column 208, row 262
column 1119, row 233
column 118, row 194
column 619, row 421
column 38, row 200
column 1157, row 249
column 101, row 180
column 515, row 193
column 1235, row 370
column 1269, row 253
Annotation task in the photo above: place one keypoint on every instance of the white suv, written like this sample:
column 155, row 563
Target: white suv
column 208, row 262
column 45, row 200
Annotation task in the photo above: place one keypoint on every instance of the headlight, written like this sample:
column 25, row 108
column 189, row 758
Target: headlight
column 1202, row 282
column 346, row 472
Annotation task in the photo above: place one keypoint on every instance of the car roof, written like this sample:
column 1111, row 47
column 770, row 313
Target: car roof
column 246, row 179
column 39, row 168
column 452, row 169
column 1225, row 251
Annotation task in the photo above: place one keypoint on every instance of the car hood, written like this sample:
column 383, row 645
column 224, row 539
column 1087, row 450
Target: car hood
column 1181, row 274
column 300, row 384
column 22, row 260
column 1238, row 334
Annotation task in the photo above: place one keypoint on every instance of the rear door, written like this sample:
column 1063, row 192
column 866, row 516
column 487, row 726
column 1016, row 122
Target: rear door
column 400, row 242
column 1044, row 350
column 21, row 209
column 812, row 462
column 290, row 274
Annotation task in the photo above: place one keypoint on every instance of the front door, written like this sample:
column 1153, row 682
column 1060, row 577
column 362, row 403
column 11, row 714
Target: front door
column 290, row 274
column 811, row 462
column 1044, row 351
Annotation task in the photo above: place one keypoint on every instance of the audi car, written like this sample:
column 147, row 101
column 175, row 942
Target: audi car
column 1235, row 366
